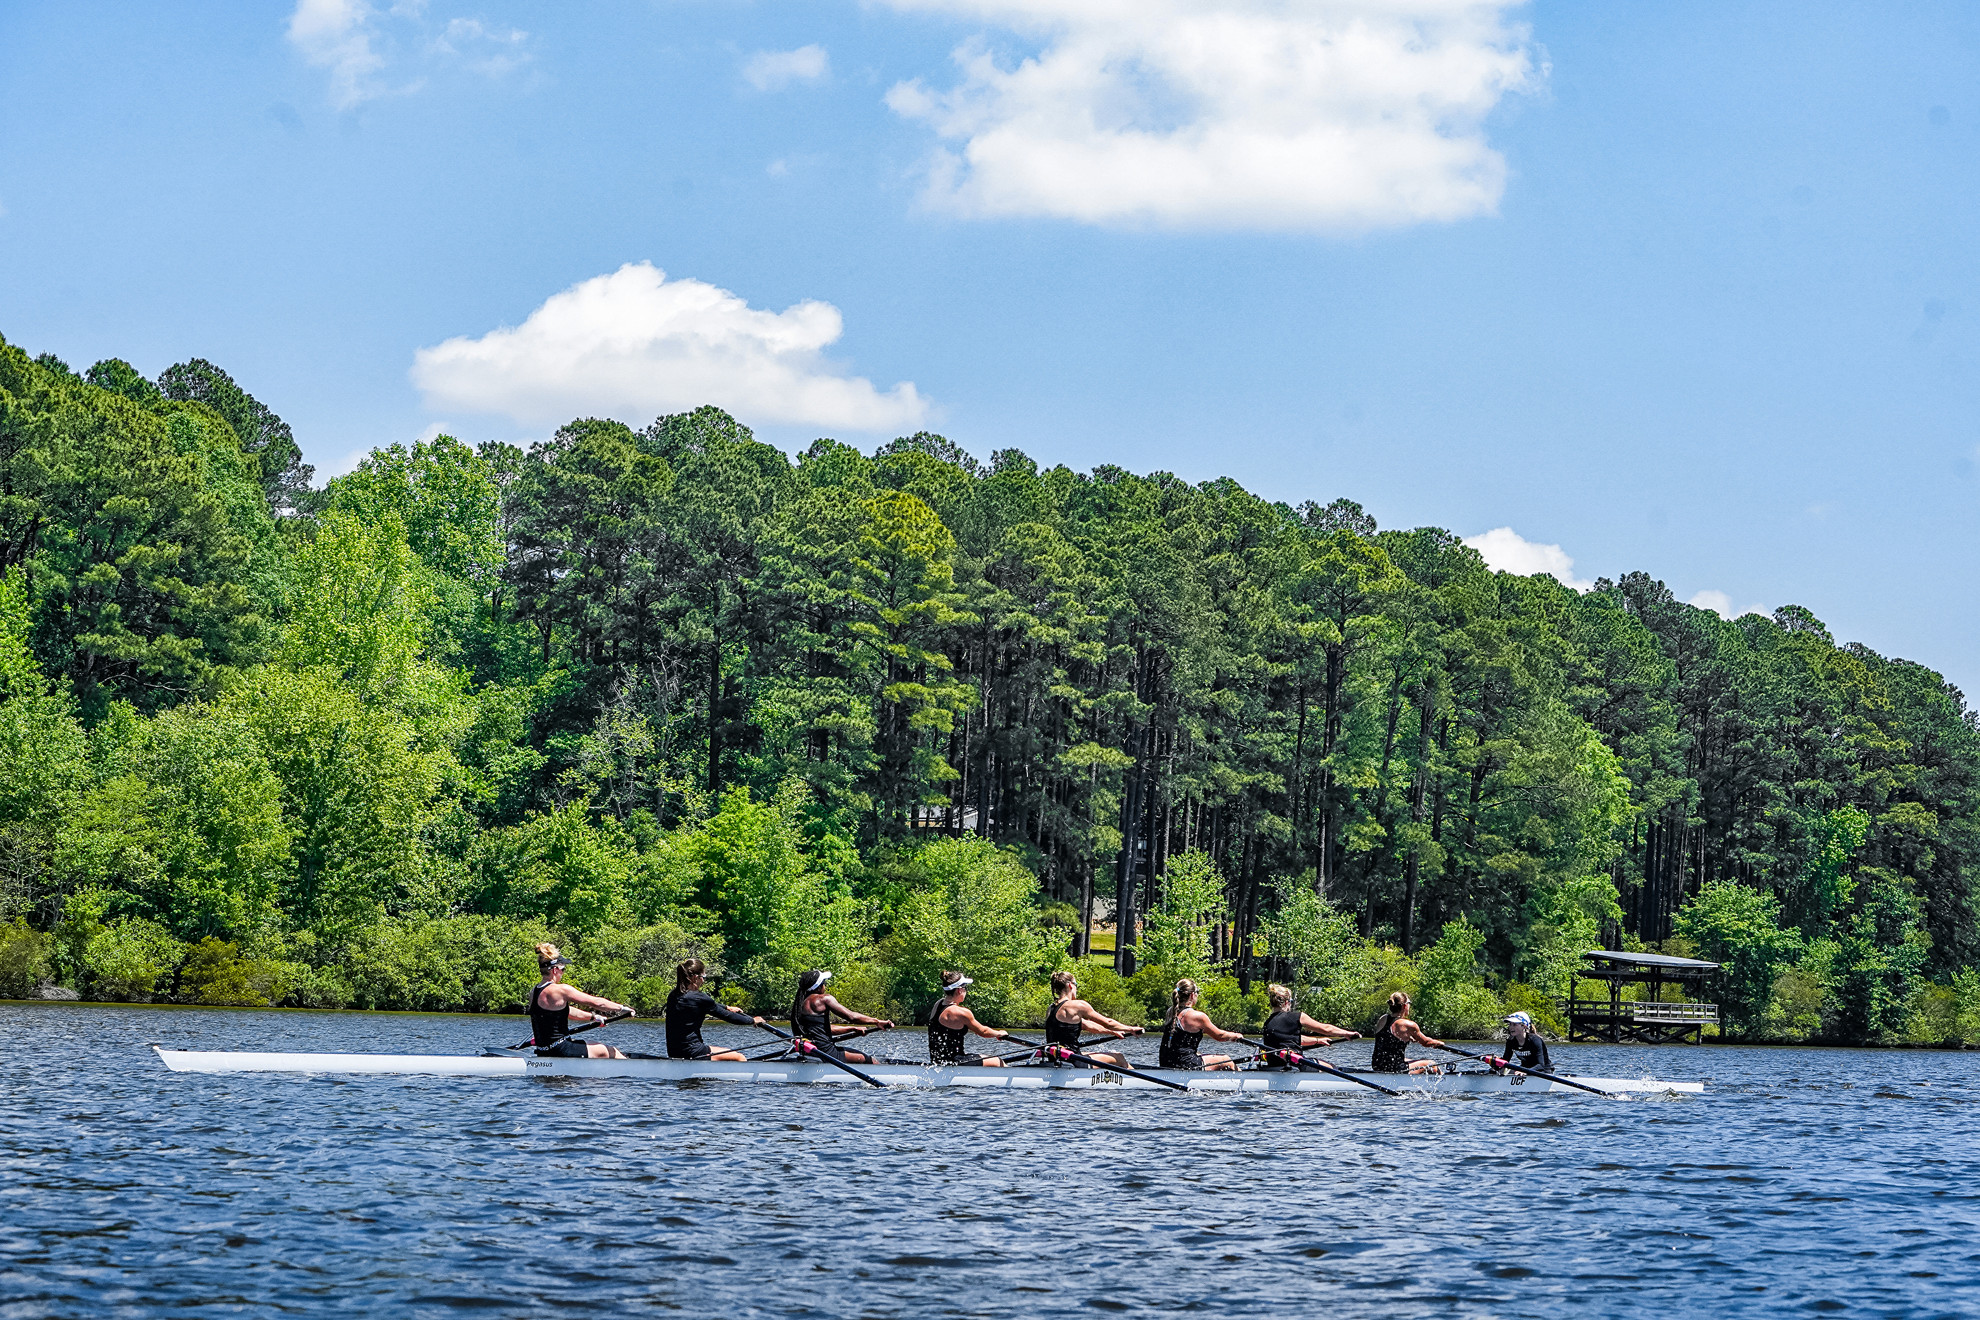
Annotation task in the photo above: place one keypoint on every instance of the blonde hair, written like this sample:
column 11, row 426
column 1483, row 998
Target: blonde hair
column 1179, row 997
column 1279, row 995
column 1398, row 1002
column 1062, row 984
column 545, row 955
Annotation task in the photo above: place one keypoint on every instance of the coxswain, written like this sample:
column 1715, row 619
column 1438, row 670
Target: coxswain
column 952, row 1022
column 1070, row 1015
column 1288, row 1029
column 811, row 1017
column 1524, row 1048
column 1392, row 1032
column 1185, row 1029
column 688, row 1007
column 554, row 1006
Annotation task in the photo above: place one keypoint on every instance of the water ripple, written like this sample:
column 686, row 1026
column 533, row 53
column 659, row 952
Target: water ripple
column 1803, row 1181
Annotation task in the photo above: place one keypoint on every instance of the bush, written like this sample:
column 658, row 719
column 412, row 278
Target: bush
column 129, row 959
column 23, row 960
column 473, row 963
column 215, row 973
column 972, row 906
column 316, row 987
column 1451, row 999
column 1232, row 1009
column 1934, row 1016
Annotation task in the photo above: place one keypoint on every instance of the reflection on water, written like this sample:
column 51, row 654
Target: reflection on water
column 1804, row 1180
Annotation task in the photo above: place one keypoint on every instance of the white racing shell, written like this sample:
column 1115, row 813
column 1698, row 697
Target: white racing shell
column 518, row 1063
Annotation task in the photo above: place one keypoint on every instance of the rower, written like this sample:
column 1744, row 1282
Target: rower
column 1392, row 1032
column 1524, row 1048
column 1185, row 1029
column 1289, row 1029
column 553, row 1006
column 1070, row 1015
column 811, row 1017
column 688, row 1007
column 951, row 1022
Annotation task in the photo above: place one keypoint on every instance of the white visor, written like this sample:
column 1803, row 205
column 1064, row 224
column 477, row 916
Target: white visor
column 819, row 984
column 954, row 986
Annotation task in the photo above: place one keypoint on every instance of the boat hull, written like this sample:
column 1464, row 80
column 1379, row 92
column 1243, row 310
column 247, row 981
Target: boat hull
column 508, row 1063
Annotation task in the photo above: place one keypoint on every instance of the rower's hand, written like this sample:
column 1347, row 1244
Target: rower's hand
column 756, row 1022
column 886, row 1026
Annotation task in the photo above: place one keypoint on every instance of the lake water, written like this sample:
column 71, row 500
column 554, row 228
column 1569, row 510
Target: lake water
column 1803, row 1181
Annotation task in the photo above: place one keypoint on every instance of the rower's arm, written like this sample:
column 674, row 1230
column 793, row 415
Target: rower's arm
column 735, row 1015
column 1092, row 1020
column 988, row 1033
column 1215, row 1032
column 573, row 997
column 834, row 1006
column 1418, row 1035
column 1326, row 1028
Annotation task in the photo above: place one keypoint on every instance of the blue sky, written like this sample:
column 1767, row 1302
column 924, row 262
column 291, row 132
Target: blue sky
column 1683, row 287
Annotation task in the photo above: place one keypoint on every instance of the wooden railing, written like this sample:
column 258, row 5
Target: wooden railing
column 1645, row 1010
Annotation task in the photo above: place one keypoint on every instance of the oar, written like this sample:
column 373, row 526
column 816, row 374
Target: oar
column 1535, row 1072
column 810, row 1050
column 1311, row 1062
column 1092, row 1062
column 589, row 1026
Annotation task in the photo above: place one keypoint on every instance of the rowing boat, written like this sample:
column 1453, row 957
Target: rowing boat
column 519, row 1063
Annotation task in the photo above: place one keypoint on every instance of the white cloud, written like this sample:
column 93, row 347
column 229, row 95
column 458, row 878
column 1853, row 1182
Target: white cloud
column 636, row 343
column 1721, row 604
column 352, row 38
column 1508, row 552
column 489, row 50
column 770, row 70
column 1226, row 114
column 337, row 35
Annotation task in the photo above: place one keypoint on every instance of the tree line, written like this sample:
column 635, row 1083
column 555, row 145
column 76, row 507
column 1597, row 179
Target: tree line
column 669, row 689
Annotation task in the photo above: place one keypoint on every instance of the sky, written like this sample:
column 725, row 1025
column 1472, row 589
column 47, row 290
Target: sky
column 1690, row 288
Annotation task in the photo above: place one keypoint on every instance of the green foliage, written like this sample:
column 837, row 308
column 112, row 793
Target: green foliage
column 972, row 906
column 24, row 960
column 636, row 965
column 1179, row 927
column 1567, row 920
column 1739, row 928
column 1880, row 958
column 1451, row 998
column 669, row 680
column 215, row 972
column 479, row 963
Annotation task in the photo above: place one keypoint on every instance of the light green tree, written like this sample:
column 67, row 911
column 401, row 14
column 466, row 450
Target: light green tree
column 1178, row 929
column 974, row 910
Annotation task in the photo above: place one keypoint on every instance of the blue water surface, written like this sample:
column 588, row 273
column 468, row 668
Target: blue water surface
column 1803, row 1181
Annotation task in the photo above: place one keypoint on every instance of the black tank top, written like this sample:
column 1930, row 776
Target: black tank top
column 1179, row 1046
column 547, row 1026
column 1282, row 1030
column 814, row 1027
column 1388, row 1049
column 1061, row 1033
column 945, row 1044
